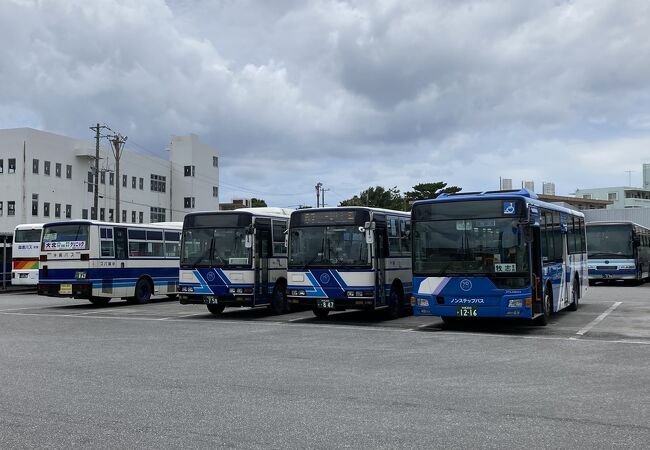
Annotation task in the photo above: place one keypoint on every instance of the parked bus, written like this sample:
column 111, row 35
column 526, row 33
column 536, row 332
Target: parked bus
column 235, row 258
column 25, row 254
column 350, row 258
column 618, row 251
column 98, row 261
column 496, row 254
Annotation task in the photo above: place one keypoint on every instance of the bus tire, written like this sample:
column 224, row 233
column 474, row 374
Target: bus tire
column 100, row 301
column 279, row 300
column 143, row 291
column 321, row 313
column 216, row 309
column 395, row 303
column 573, row 306
column 547, row 307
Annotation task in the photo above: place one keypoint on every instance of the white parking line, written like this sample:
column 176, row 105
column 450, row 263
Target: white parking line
column 598, row 319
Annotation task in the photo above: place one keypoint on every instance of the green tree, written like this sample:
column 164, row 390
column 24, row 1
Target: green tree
column 377, row 197
column 424, row 191
column 257, row 202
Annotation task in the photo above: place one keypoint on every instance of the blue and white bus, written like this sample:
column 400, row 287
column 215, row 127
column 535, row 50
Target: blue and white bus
column 618, row 251
column 234, row 259
column 350, row 258
column 496, row 254
column 98, row 261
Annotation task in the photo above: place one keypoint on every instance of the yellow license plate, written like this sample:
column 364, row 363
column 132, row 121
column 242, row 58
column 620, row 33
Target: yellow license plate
column 65, row 289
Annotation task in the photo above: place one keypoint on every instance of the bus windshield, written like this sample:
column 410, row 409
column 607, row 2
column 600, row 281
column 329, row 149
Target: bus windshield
column 328, row 246
column 66, row 237
column 609, row 241
column 469, row 246
column 27, row 236
column 220, row 247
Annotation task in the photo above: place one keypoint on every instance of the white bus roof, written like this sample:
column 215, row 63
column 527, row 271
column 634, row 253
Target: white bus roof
column 349, row 208
column 171, row 225
column 268, row 211
column 29, row 226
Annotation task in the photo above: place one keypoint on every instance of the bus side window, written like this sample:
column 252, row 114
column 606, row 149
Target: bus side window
column 279, row 226
column 406, row 237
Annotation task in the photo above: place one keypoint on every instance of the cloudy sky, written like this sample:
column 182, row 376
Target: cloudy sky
column 349, row 93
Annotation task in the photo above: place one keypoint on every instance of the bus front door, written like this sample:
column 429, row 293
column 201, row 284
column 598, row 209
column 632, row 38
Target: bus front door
column 536, row 270
column 262, row 252
column 121, row 244
column 380, row 268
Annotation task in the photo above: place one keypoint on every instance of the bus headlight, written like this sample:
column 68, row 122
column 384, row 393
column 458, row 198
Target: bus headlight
column 297, row 292
column 515, row 303
column 422, row 301
column 627, row 266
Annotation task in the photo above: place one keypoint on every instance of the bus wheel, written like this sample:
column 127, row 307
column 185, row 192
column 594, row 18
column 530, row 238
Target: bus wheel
column 395, row 304
column 279, row 301
column 321, row 313
column 216, row 309
column 99, row 301
column 574, row 298
column 142, row 291
column 547, row 307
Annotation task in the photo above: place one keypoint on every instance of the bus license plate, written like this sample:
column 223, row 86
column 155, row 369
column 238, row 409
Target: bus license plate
column 23, row 275
column 210, row 300
column 65, row 289
column 326, row 304
column 467, row 311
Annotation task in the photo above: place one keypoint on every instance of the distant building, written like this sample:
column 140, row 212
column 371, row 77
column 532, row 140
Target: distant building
column 620, row 196
column 236, row 204
column 548, row 188
column 506, row 184
column 530, row 185
column 646, row 176
column 578, row 203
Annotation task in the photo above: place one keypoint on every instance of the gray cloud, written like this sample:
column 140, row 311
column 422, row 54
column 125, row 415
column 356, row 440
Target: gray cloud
column 350, row 93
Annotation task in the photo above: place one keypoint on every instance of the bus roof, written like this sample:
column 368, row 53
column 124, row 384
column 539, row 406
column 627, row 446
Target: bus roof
column 170, row 225
column 523, row 194
column 615, row 222
column 29, row 226
column 263, row 211
column 354, row 208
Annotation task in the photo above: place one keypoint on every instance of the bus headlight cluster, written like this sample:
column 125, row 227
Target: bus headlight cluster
column 240, row 290
column 185, row 289
column 422, row 301
column 298, row 292
column 515, row 303
column 360, row 294
column 627, row 266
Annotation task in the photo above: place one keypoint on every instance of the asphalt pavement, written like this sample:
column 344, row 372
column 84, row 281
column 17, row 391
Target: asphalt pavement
column 166, row 375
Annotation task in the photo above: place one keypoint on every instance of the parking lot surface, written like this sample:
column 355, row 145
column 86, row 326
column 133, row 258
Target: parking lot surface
column 171, row 375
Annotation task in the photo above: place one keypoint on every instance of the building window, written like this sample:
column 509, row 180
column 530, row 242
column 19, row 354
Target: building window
column 57, row 210
column 1, row 203
column 133, row 216
column 188, row 202
column 141, row 216
column 110, row 214
column 215, row 161
column 34, row 204
column 215, row 191
column 35, row 165
column 11, row 208
column 102, row 214
column 84, row 214
column 124, row 216
column 57, row 170
column 2, row 169
column 11, row 165
column 157, row 215
column 93, row 213
column 612, row 196
column 102, row 177
column 46, row 209
column 111, row 178
column 141, row 184
column 124, row 180
column 134, row 181
column 158, row 183
column 188, row 171
column 68, row 171
column 90, row 181
column 68, row 211
column 46, row 168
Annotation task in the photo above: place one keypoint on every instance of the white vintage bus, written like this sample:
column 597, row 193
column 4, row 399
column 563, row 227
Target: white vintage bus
column 25, row 254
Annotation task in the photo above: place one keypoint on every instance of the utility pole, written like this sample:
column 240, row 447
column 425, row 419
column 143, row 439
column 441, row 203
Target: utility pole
column 629, row 177
column 318, row 187
column 322, row 193
column 118, row 142
column 97, row 129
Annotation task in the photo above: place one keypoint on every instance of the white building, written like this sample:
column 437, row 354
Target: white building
column 506, row 184
column 620, row 196
column 530, row 185
column 46, row 177
column 548, row 188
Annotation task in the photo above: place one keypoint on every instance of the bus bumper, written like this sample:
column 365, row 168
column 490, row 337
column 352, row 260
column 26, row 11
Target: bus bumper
column 227, row 300
column 340, row 304
column 70, row 290
column 613, row 274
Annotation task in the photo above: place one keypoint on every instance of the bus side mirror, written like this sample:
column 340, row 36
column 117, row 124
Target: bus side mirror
column 248, row 241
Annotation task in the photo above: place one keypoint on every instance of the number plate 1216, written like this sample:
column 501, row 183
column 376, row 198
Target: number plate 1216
column 467, row 311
